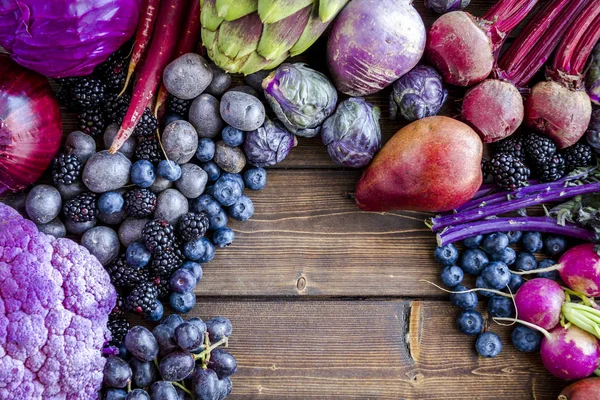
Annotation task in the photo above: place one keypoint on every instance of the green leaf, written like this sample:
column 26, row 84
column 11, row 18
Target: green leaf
column 328, row 9
column 278, row 38
column 240, row 37
column 272, row 11
column 231, row 10
column 208, row 16
column 313, row 30
column 208, row 39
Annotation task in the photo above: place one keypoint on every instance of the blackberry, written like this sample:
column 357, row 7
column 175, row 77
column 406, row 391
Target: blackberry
column 113, row 71
column 578, row 155
column 158, row 236
column 509, row 172
column 119, row 308
column 148, row 148
column 165, row 263
column 193, row 226
column 163, row 287
column 147, row 124
column 63, row 94
column 513, row 145
column 139, row 203
column 486, row 168
column 81, row 208
column 178, row 106
column 66, row 169
column 87, row 92
column 118, row 327
column 91, row 121
column 115, row 108
column 553, row 169
column 124, row 275
column 141, row 299
column 538, row 149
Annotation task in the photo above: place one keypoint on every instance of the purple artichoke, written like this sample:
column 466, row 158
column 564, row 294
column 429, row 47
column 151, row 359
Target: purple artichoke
column 302, row 98
column 592, row 135
column 592, row 79
column 418, row 94
column 352, row 134
column 444, row 6
column 268, row 145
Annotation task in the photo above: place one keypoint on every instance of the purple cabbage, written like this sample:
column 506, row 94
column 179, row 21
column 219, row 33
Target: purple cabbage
column 301, row 97
column 592, row 79
column 268, row 145
column 592, row 135
column 61, row 38
column 418, row 94
column 352, row 134
column 444, row 6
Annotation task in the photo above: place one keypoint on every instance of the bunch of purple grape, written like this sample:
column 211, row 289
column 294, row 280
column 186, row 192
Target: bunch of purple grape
column 178, row 360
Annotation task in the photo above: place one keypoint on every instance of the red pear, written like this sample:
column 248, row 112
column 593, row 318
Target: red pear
column 433, row 164
column 585, row 389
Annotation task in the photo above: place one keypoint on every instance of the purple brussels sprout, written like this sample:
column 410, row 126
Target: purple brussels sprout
column 592, row 79
column 268, row 145
column 444, row 6
column 352, row 134
column 592, row 135
column 302, row 98
column 418, row 94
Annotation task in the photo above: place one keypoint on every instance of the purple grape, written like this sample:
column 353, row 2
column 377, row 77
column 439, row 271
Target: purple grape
column 189, row 336
column 222, row 363
column 199, row 323
column 205, row 384
column 163, row 390
column 165, row 337
column 141, row 343
column 218, row 328
column 225, row 386
column 116, row 373
column 172, row 320
column 176, row 366
column 144, row 372
column 137, row 394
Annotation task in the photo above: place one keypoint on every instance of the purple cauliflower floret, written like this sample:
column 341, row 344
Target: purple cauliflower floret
column 55, row 298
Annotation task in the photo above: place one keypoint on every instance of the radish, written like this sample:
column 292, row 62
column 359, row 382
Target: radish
column 187, row 43
column 560, row 106
column 159, row 55
column 142, row 37
column 463, row 47
column 539, row 302
column 494, row 108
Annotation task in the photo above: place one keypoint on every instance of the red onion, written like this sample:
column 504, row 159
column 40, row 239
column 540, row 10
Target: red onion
column 30, row 126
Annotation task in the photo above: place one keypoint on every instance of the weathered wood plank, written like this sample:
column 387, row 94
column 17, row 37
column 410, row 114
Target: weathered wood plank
column 369, row 350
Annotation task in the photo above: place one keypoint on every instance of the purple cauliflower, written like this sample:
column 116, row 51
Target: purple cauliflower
column 268, row 145
column 54, row 303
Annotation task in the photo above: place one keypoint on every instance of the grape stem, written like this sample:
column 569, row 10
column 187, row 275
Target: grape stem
column 205, row 354
column 180, row 386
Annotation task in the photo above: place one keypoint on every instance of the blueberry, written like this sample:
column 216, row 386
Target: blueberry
column 255, row 178
column 466, row 301
column 514, row 236
column 218, row 221
column 137, row 255
column 469, row 322
column 206, row 203
column 515, row 283
column 235, row 177
column 210, row 190
column 452, row 276
column 507, row 256
column 473, row 261
column 532, row 241
column 480, row 284
column 182, row 302
column 500, row 306
column 110, row 202
column 194, row 249
column 182, row 280
column 227, row 191
column 195, row 268
column 242, row 210
column 212, row 170
column 526, row 339
column 555, row 245
column 446, row 255
column 496, row 275
column 525, row 261
column 223, row 237
column 169, row 170
column 209, row 252
column 206, row 150
column 156, row 313
column 233, row 137
column 494, row 242
column 488, row 345
column 549, row 274
column 142, row 173
column 473, row 242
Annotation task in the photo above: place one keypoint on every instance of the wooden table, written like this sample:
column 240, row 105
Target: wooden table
column 328, row 302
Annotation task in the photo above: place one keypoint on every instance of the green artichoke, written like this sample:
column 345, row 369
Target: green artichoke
column 247, row 36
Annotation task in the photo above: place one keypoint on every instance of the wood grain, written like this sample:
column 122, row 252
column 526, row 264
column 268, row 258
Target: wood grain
column 369, row 350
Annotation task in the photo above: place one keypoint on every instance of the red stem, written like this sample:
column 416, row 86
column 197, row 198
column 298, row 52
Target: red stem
column 511, row 22
column 535, row 44
column 567, row 49
column 503, row 17
column 500, row 10
column 586, row 46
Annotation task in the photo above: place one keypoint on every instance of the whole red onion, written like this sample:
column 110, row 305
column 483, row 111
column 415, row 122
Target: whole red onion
column 30, row 126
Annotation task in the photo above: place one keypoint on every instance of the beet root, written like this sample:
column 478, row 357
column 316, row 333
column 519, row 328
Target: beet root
column 559, row 112
column 585, row 389
column 494, row 109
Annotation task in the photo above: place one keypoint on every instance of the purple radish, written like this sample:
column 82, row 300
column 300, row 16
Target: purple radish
column 539, row 302
column 570, row 353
